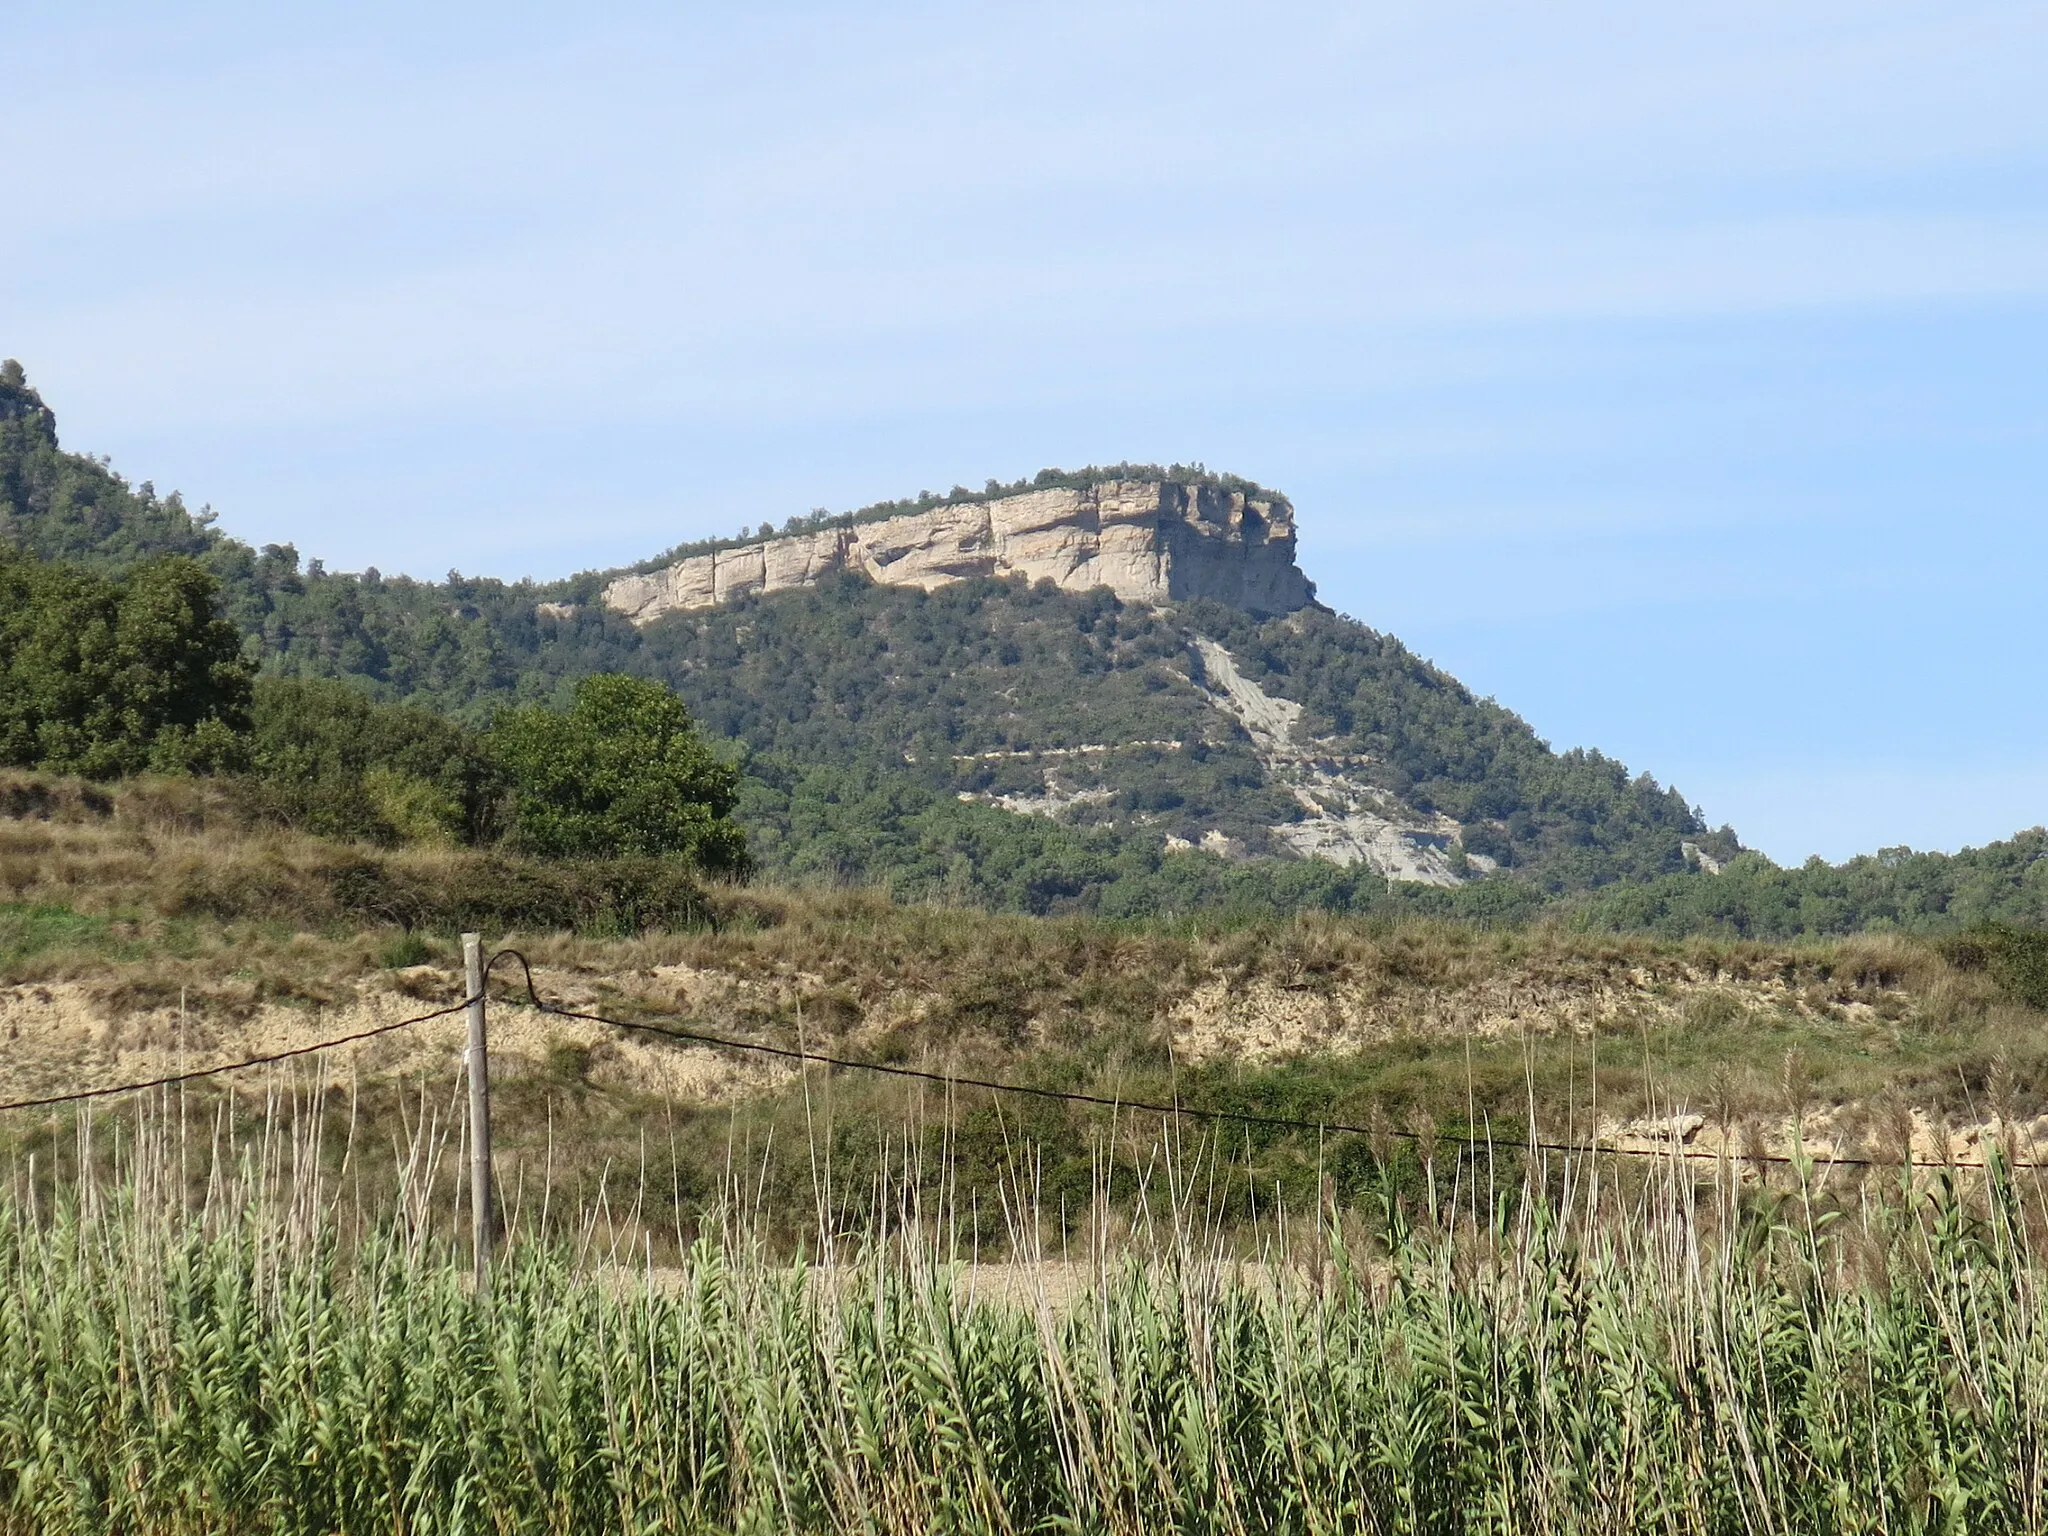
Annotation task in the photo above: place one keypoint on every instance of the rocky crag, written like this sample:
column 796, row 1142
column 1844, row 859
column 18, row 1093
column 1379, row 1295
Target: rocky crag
column 1337, row 812
column 1277, row 732
column 1148, row 541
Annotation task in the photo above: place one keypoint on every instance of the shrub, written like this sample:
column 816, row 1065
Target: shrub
column 623, row 774
column 2015, row 958
column 438, row 891
column 492, row 892
column 408, row 949
column 102, row 676
column 329, row 759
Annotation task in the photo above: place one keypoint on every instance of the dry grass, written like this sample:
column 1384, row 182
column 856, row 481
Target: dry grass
column 178, row 860
column 155, row 923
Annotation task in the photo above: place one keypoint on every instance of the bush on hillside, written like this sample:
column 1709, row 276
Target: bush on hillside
column 327, row 758
column 2015, row 958
column 623, row 774
column 440, row 891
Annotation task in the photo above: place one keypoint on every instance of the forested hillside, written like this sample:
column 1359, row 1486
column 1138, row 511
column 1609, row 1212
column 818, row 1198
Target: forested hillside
column 1027, row 748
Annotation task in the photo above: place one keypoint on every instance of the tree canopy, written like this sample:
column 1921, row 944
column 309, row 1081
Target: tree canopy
column 622, row 774
column 327, row 757
column 101, row 676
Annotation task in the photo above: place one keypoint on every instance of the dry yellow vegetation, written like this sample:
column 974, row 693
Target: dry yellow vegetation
column 154, row 927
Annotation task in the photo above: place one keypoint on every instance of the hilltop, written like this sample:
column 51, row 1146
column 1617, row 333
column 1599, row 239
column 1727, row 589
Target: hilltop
column 1106, row 690
column 1141, row 534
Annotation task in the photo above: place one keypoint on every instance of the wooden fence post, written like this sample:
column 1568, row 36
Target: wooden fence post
column 478, row 1059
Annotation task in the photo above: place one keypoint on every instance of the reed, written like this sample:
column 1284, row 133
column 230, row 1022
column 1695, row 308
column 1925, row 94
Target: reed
column 213, row 1335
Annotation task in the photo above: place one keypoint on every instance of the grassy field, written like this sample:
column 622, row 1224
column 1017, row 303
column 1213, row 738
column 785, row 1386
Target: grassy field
column 736, row 1297
column 155, row 926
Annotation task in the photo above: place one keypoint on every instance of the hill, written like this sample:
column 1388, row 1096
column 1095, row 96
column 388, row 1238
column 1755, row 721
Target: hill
column 150, row 924
column 1107, row 690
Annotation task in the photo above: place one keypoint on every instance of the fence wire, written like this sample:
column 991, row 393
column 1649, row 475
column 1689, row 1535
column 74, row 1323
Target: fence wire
column 951, row 1080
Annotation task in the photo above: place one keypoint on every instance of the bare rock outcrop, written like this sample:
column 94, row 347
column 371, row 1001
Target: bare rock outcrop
column 1148, row 541
column 1346, row 819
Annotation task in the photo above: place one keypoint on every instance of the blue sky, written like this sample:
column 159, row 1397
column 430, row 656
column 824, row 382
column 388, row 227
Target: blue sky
column 1673, row 374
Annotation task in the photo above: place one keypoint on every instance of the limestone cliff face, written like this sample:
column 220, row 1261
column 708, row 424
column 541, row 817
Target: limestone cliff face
column 1148, row 541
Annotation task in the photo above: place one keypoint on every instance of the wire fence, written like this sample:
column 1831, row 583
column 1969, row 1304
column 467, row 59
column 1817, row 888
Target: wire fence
column 199, row 1074
column 1673, row 1148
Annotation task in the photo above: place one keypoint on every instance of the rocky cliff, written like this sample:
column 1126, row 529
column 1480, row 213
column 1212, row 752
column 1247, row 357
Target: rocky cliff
column 1148, row 541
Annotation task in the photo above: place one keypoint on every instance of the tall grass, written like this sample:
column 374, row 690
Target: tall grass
column 1574, row 1355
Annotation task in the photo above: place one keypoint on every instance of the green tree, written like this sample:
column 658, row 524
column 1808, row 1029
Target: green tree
column 328, row 758
column 623, row 774
column 102, row 676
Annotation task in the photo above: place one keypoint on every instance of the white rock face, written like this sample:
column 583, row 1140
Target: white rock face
column 1269, row 721
column 1695, row 854
column 1399, row 850
column 1344, row 821
column 1055, row 799
column 1148, row 541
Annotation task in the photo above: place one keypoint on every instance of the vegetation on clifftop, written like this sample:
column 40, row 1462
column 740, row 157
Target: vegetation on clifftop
column 820, row 518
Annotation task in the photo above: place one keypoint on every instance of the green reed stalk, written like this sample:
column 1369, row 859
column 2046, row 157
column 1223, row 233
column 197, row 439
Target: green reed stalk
column 1692, row 1358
